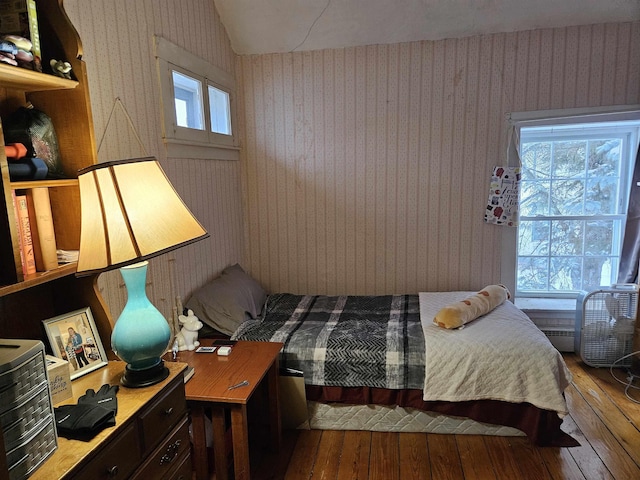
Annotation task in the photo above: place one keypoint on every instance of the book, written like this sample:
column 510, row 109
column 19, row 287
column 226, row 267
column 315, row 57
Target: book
column 42, row 230
column 26, row 236
column 23, row 265
column 34, row 32
column 188, row 373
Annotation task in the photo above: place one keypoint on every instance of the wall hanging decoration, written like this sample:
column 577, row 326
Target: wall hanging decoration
column 504, row 189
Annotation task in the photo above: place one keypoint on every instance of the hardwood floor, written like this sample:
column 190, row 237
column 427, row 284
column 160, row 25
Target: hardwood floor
column 601, row 418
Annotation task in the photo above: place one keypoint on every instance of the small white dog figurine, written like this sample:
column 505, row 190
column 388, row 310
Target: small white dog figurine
column 188, row 336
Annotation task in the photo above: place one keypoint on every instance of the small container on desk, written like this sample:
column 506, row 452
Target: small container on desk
column 30, row 438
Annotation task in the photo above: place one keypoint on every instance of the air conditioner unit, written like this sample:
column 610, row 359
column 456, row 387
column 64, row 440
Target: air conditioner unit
column 605, row 321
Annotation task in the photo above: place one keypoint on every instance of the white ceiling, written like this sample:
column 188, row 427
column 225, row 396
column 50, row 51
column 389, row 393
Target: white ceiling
column 269, row 26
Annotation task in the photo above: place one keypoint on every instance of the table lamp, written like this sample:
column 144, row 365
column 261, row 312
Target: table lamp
column 130, row 213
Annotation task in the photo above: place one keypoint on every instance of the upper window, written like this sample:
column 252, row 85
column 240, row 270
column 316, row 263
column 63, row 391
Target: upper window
column 573, row 201
column 197, row 103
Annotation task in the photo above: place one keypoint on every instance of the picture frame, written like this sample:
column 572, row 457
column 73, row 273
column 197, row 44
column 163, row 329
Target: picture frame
column 74, row 337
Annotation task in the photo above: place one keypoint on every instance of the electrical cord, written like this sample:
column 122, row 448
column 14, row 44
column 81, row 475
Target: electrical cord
column 628, row 383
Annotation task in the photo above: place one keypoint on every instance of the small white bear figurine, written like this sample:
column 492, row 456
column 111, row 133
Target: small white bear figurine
column 188, row 336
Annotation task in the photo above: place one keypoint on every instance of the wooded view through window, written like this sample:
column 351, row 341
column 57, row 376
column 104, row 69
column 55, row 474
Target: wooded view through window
column 574, row 195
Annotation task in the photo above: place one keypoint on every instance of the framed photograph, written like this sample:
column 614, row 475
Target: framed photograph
column 74, row 338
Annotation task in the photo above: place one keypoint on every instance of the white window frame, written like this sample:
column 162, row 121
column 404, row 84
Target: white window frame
column 183, row 142
column 509, row 237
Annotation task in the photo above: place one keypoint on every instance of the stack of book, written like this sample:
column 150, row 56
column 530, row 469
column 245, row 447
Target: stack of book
column 36, row 233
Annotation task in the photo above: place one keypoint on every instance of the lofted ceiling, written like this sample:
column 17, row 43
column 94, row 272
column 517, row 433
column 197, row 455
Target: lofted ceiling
column 277, row 26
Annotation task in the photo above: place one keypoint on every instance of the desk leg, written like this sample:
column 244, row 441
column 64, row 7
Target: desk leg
column 275, row 423
column 240, row 434
column 219, row 443
column 199, row 442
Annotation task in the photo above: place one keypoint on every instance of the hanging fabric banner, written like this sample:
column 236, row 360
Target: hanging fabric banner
column 504, row 189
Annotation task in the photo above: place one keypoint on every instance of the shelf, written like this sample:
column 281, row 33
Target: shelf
column 73, row 182
column 39, row 278
column 30, row 81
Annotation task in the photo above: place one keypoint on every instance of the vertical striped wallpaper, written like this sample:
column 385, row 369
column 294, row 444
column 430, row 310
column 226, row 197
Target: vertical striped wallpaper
column 365, row 170
column 117, row 37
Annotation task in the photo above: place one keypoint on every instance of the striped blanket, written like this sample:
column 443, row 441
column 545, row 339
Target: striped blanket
column 348, row 341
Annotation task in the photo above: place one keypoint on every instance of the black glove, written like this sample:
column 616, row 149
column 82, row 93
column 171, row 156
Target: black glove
column 82, row 422
column 105, row 397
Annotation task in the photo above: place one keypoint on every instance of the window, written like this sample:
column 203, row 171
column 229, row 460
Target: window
column 573, row 200
column 187, row 93
column 197, row 101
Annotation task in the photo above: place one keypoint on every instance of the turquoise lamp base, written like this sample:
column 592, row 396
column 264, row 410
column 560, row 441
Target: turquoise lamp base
column 141, row 334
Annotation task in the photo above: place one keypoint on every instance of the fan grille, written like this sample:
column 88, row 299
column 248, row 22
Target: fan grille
column 608, row 320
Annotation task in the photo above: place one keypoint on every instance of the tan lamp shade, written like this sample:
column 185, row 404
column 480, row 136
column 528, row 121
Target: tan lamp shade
column 130, row 212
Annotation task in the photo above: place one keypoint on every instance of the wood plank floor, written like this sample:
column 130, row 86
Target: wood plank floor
column 602, row 419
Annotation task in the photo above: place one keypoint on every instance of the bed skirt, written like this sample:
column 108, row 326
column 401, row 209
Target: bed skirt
column 367, row 406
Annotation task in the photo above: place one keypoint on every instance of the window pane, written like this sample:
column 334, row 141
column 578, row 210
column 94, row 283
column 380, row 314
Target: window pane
column 536, row 160
column 565, row 274
column 220, row 112
column 597, row 272
column 567, row 197
column 187, row 93
column 534, row 238
column 599, row 237
column 601, row 196
column 569, row 159
column 533, row 273
column 534, row 198
column 567, row 237
column 604, row 157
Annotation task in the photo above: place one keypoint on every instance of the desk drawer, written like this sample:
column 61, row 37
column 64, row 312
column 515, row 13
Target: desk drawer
column 160, row 418
column 115, row 461
column 183, row 470
column 168, row 455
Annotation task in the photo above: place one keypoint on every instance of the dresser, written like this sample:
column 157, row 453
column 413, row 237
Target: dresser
column 150, row 439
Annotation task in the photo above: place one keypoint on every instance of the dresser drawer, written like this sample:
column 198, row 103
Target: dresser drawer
column 183, row 469
column 162, row 415
column 116, row 460
column 168, row 455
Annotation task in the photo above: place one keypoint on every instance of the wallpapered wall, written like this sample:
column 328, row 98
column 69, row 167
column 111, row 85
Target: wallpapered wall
column 118, row 49
column 363, row 170
column 366, row 170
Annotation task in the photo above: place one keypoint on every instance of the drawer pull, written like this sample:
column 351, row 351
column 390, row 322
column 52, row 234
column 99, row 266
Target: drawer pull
column 168, row 411
column 172, row 452
column 113, row 471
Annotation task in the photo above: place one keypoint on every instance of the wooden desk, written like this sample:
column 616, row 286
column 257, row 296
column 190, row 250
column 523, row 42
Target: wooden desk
column 209, row 388
column 151, row 422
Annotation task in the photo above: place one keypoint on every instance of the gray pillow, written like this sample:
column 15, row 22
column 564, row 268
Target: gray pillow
column 228, row 300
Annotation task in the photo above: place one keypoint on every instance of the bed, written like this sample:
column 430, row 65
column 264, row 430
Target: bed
column 379, row 363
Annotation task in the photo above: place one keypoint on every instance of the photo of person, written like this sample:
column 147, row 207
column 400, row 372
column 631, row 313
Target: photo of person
column 71, row 354
column 74, row 338
column 78, row 347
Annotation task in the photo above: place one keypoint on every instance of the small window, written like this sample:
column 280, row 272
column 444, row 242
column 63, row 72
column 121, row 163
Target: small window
column 187, row 93
column 219, row 106
column 198, row 109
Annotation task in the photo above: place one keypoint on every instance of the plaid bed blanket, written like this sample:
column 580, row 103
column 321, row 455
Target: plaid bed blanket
column 349, row 341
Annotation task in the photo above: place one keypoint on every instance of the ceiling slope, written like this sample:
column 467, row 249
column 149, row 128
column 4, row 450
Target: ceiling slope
column 277, row 26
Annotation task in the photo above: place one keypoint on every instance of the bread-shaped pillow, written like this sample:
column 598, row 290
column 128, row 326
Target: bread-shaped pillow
column 459, row 313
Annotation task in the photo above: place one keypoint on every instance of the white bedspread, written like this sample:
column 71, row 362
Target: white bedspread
column 500, row 356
